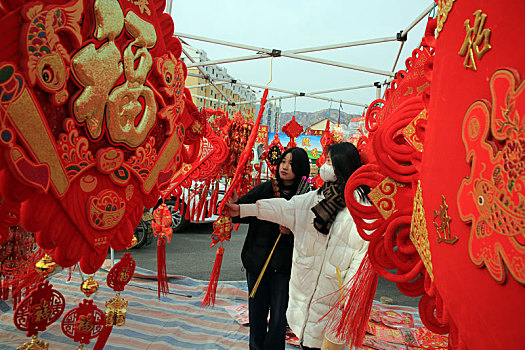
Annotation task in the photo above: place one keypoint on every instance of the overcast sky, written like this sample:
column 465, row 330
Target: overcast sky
column 294, row 24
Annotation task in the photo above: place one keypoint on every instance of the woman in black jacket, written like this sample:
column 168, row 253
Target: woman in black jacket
column 272, row 293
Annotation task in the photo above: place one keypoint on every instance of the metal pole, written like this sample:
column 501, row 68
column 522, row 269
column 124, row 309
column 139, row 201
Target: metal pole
column 228, row 60
column 211, row 99
column 284, row 54
column 207, row 84
column 223, row 42
column 288, row 92
column 338, row 64
column 168, row 6
column 343, row 45
column 418, row 19
column 341, row 89
column 398, row 55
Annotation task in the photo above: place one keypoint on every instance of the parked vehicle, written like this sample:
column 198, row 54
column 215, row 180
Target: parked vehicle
column 180, row 221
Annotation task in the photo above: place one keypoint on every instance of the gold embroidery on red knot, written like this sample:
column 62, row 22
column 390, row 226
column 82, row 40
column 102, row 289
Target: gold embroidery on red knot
column 443, row 224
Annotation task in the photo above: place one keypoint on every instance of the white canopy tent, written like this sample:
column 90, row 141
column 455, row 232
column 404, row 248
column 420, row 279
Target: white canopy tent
column 376, row 75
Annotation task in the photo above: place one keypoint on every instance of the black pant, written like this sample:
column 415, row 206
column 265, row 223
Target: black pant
column 272, row 297
column 307, row 348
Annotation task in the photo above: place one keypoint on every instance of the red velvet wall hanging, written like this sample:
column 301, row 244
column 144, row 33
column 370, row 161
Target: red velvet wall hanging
column 391, row 158
column 94, row 115
column 472, row 180
column 460, row 158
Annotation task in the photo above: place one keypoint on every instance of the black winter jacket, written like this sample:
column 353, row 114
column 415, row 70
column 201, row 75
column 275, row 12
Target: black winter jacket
column 262, row 236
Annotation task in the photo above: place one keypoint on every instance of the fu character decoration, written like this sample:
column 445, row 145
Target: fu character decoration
column 40, row 308
column 161, row 225
column 84, row 322
column 94, row 116
column 222, row 231
column 118, row 277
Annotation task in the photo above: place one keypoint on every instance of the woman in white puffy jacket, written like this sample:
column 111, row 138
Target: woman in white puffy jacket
column 325, row 239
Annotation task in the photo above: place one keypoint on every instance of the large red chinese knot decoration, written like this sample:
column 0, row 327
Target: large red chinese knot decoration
column 457, row 154
column 94, row 113
column 292, row 129
column 191, row 184
column 391, row 155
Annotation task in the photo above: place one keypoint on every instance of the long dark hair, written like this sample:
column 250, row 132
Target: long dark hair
column 345, row 160
column 300, row 167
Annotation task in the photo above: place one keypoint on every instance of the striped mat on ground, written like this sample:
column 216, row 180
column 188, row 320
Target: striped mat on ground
column 174, row 322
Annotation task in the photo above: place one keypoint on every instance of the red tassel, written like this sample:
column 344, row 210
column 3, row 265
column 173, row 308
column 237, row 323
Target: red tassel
column 103, row 337
column 359, row 292
column 182, row 204
column 215, row 199
column 209, row 299
column 5, row 290
column 162, row 277
column 176, row 204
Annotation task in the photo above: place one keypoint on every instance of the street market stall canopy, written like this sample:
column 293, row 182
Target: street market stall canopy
column 379, row 78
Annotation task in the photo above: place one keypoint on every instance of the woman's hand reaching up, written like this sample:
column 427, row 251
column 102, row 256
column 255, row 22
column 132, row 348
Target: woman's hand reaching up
column 233, row 208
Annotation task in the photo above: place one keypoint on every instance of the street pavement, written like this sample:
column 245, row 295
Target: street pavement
column 189, row 254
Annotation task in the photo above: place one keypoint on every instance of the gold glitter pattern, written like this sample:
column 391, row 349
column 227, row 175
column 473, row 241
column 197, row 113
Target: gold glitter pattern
column 410, row 131
column 442, row 223
column 418, row 231
column 383, row 196
column 476, row 43
column 444, row 7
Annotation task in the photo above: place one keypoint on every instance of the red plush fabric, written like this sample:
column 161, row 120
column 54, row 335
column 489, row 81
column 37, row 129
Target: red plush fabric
column 479, row 277
column 95, row 118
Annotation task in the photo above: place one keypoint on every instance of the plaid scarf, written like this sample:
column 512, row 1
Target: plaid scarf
column 326, row 210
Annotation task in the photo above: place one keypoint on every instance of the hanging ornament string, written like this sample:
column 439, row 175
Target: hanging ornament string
column 223, row 226
column 294, row 103
column 249, row 145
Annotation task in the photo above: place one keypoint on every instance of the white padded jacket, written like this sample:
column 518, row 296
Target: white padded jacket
column 314, row 285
